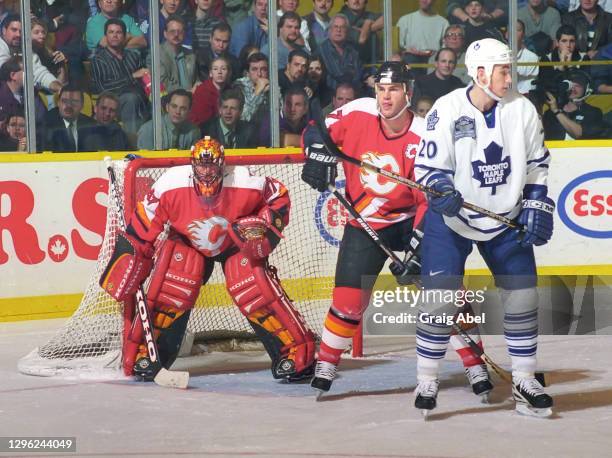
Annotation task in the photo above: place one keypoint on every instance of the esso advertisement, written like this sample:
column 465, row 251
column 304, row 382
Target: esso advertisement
column 585, row 204
column 331, row 216
column 52, row 223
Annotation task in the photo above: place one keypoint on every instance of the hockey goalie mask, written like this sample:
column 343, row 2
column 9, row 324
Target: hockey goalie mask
column 207, row 160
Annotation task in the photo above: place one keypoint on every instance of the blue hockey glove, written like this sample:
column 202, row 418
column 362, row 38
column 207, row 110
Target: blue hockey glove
column 536, row 217
column 450, row 201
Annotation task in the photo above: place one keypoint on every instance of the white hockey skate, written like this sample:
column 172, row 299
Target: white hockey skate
column 478, row 376
column 324, row 375
column 530, row 397
column 425, row 395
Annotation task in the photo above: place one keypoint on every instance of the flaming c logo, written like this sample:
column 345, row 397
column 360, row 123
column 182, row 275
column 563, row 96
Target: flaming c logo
column 380, row 185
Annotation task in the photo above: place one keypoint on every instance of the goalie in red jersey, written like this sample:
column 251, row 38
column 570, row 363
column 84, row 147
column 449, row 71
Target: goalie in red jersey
column 384, row 132
column 216, row 214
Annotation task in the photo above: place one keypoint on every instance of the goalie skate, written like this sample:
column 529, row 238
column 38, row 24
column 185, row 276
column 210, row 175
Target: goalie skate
column 531, row 400
column 478, row 377
column 324, row 375
column 426, row 394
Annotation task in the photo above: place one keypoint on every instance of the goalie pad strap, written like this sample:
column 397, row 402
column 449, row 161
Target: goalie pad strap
column 177, row 277
column 260, row 298
column 129, row 265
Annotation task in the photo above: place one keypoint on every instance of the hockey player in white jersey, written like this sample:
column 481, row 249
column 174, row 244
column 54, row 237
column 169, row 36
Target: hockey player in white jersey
column 484, row 144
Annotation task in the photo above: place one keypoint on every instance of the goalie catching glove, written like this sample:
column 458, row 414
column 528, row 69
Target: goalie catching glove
column 320, row 169
column 257, row 236
column 409, row 272
column 130, row 264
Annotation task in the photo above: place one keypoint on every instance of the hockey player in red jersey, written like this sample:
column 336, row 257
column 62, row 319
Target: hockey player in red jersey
column 384, row 132
column 216, row 214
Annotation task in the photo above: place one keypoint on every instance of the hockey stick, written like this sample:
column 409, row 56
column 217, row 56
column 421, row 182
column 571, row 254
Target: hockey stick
column 163, row 377
column 503, row 374
column 363, row 223
column 333, row 148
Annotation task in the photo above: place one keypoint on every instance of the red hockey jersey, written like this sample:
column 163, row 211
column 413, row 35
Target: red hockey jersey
column 356, row 128
column 173, row 200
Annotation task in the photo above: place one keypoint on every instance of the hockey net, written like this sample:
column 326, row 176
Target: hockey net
column 91, row 340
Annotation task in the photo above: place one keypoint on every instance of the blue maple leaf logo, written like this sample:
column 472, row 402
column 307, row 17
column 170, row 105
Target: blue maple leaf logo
column 495, row 171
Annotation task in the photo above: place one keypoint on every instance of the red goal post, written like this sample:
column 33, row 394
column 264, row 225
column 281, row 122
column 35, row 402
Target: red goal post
column 305, row 260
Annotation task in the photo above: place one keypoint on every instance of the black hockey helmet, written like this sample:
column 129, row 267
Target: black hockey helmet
column 392, row 72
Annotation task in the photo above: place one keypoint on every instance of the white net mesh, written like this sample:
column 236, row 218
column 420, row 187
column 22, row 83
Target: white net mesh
column 91, row 339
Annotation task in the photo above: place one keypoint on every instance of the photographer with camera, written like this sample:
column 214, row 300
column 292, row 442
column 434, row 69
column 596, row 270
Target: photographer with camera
column 569, row 117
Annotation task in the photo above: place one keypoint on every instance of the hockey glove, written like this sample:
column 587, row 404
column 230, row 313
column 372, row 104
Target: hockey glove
column 320, row 169
column 450, row 200
column 409, row 272
column 252, row 234
column 536, row 218
column 129, row 265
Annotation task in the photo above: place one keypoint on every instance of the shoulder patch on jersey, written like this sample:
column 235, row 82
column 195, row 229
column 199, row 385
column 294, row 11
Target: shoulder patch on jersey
column 432, row 120
column 494, row 171
column 464, row 127
column 411, row 150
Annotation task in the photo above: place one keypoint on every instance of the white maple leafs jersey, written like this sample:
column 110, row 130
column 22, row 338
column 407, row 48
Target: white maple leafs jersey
column 490, row 157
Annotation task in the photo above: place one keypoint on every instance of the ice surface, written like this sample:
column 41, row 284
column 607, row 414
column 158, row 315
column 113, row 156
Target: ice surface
column 233, row 407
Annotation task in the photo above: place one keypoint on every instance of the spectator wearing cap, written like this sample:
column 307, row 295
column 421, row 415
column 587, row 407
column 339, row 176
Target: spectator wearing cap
column 576, row 119
column 420, row 34
column 477, row 26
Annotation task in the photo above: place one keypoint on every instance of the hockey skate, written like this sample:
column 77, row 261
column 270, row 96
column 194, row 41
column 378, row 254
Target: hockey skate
column 323, row 377
column 426, row 394
column 530, row 397
column 478, row 376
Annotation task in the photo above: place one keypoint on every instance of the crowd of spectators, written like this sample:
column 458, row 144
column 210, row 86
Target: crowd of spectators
column 92, row 66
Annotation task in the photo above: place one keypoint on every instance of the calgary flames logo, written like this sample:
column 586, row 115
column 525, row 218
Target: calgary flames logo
column 380, row 185
column 208, row 235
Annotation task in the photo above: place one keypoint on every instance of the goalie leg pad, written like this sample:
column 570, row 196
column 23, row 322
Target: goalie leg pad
column 261, row 299
column 177, row 277
column 129, row 265
column 173, row 290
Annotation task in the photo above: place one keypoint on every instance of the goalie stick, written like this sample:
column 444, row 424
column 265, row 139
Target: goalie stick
column 163, row 377
column 333, row 148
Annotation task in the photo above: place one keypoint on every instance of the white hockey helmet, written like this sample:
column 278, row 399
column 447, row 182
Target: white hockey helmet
column 486, row 53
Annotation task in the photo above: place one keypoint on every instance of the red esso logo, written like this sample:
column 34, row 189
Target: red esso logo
column 585, row 204
column 588, row 203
